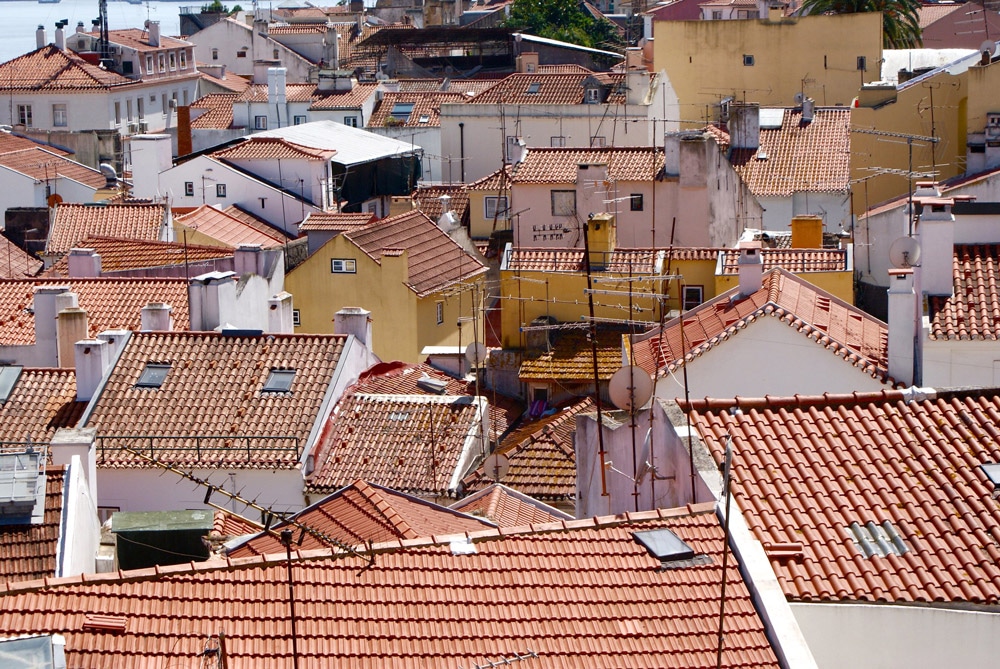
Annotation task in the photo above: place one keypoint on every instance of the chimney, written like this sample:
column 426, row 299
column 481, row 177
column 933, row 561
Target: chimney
column 808, row 110
column 592, row 185
column 60, row 39
column 279, row 314
column 185, row 144
column 633, row 58
column 331, row 46
column 203, row 298
column 902, row 324
column 93, row 357
column 775, row 13
column 84, row 263
column 527, row 63
column 46, row 306
column 672, row 153
column 155, row 317
column 154, row 33
column 807, row 232
column 354, row 321
column 249, row 259
column 81, row 442
column 40, row 37
column 751, row 268
column 116, row 341
column 276, row 99
column 637, row 86
column 936, row 231
column 601, row 238
column 71, row 327
column 80, row 28
column 744, row 126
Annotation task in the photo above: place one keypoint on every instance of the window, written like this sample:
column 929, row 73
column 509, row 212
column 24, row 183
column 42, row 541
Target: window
column 163, row 102
column 592, row 95
column 563, row 202
column 163, row 63
column 343, row 266
column 351, row 121
column 298, row 120
column 495, row 207
column 242, row 53
column 189, row 189
column 118, row 113
column 141, row 106
column 424, row 118
column 279, row 381
column 220, row 190
column 59, row 119
column 716, row 14
column 149, row 63
column 557, row 141
column 128, row 110
column 401, row 111
column 260, row 123
column 215, row 54
column 9, row 374
column 862, row 63
column 748, row 60
column 296, row 317
column 24, row 115
column 172, row 57
column 693, row 296
column 152, row 375
column 597, row 142
column 635, row 202
column 439, row 312
column 184, row 60
column 274, row 54
column 533, row 88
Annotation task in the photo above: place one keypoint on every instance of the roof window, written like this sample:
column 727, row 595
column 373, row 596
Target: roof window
column 881, row 540
column 9, row 374
column 669, row 549
column 279, row 381
column 153, row 375
column 402, row 110
column 534, row 87
column 992, row 471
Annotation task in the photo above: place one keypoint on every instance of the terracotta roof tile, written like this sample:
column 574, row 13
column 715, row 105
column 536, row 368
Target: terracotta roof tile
column 364, row 513
column 972, row 312
column 812, row 157
column 352, row 99
column 231, row 82
column 110, row 303
column 298, row 29
column 10, row 142
column 637, row 261
column 559, row 166
column 428, row 200
column 551, row 89
column 29, row 552
column 54, row 70
column 41, row 164
column 293, row 93
column 336, row 221
column 215, row 388
column 272, row 148
column 574, row 594
column 571, row 358
column 219, row 114
column 796, row 261
column 566, row 68
column 493, row 182
column 929, row 14
column 228, row 230
column 424, row 109
column 16, row 263
column 73, row 223
column 227, row 524
column 138, row 39
column 508, row 508
column 255, row 222
column 118, row 255
column 841, row 328
column 806, row 468
column 41, row 402
column 435, row 260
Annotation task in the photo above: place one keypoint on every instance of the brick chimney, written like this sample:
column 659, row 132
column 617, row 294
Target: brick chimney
column 751, row 268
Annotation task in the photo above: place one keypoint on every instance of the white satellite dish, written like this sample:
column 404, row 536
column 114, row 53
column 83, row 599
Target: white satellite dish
column 645, row 467
column 496, row 466
column 476, row 353
column 987, row 48
column 904, row 252
column 630, row 388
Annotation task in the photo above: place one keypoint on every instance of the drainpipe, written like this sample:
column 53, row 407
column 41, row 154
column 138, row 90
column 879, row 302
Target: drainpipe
column 461, row 148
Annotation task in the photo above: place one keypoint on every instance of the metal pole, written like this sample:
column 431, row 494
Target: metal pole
column 286, row 539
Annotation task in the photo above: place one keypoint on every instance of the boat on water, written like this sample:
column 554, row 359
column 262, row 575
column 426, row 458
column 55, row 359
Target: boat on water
column 47, row 2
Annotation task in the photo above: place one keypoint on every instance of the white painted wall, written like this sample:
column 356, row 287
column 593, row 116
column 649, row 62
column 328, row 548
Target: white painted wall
column 20, row 190
column 220, row 43
column 767, row 357
column 833, row 207
column 308, row 178
column 961, row 363
column 80, row 534
column 879, row 636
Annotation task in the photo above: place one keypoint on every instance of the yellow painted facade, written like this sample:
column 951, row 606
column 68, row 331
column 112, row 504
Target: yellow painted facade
column 402, row 322
column 767, row 61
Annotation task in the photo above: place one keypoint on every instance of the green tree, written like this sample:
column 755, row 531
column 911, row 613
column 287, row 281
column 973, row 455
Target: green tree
column 561, row 20
column 900, row 18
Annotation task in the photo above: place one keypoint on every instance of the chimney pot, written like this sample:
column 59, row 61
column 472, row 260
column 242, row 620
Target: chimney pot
column 751, row 268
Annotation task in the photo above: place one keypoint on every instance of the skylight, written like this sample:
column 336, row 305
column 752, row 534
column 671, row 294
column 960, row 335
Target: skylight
column 9, row 374
column 664, row 545
column 402, row 110
column 991, row 469
column 425, row 119
column 279, row 381
column 534, row 87
column 153, row 375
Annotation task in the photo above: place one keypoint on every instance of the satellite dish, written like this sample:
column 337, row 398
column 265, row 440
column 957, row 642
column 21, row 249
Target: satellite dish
column 904, row 252
column 496, row 466
column 54, row 199
column 476, row 353
column 988, row 47
column 799, row 97
column 630, row 388
column 644, row 467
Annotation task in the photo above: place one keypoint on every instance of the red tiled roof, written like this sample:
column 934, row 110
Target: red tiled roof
column 541, row 455
column 10, row 142
column 544, row 165
column 435, row 260
column 838, row 326
column 929, row 14
column 336, row 221
column 493, row 182
column 574, row 593
column 220, row 111
column 352, row 99
column 272, row 148
column 119, row 255
column 255, row 222
column 806, row 468
column 73, row 223
column 811, row 157
column 228, row 230
column 299, row 29
column 428, row 200
column 972, row 312
column 566, row 68
column 215, row 387
column 54, row 70
column 16, row 263
column 796, row 261
column 42, row 165
column 28, row 552
column 138, row 39
column 41, row 402
column 293, row 93
column 110, row 303
column 508, row 508
column 411, row 443
column 231, row 82
column 425, row 113
column 227, row 524
column 570, row 359
column 626, row 261
column 364, row 513
column 552, row 89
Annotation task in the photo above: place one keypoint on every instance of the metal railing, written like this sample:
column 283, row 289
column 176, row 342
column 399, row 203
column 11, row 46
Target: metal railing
column 208, row 449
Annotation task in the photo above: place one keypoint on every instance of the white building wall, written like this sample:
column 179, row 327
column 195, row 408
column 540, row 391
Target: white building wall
column 949, row 364
column 429, row 139
column 833, row 207
column 303, row 177
column 81, row 530
column 20, row 190
column 757, row 360
column 220, row 43
column 876, row 636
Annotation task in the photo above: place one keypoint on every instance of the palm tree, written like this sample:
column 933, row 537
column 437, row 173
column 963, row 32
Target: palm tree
column 900, row 18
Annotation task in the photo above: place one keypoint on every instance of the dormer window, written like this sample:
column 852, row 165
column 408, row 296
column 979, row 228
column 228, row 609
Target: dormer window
column 153, row 375
column 279, row 381
column 592, row 95
column 149, row 64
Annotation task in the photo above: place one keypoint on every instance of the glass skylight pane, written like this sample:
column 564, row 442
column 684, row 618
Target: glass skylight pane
column 279, row 381
column 9, row 375
column 664, row 545
column 153, row 375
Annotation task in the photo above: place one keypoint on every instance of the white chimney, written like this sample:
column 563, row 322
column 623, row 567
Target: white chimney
column 276, row 99
column 331, row 47
column 808, row 110
column 71, row 327
column 936, row 231
column 40, row 37
column 249, row 259
column 751, row 268
column 80, row 442
column 637, row 84
column 46, row 307
column 744, row 126
column 60, row 39
column 354, row 321
column 902, row 325
column 672, row 154
column 154, row 32
column 279, row 314
column 155, row 317
column 205, row 309
column 92, row 357
column 116, row 340
column 260, row 26
column 84, row 263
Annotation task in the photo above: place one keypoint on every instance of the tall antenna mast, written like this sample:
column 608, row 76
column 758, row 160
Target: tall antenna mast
column 103, row 46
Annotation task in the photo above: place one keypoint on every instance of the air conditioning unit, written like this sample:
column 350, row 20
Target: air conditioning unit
column 143, row 127
column 133, row 127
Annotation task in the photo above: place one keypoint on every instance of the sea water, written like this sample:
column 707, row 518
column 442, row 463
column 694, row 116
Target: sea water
column 20, row 18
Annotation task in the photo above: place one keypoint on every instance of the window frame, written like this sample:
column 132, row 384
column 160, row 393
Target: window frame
column 686, row 300
column 279, row 380
column 259, row 122
column 296, row 318
column 345, row 265
column 562, row 210
column 161, row 63
column 188, row 189
column 153, row 375
column 490, row 212
column 749, row 60
column 59, row 109
column 25, row 116
column 182, row 57
column 557, row 141
column 635, row 202
column 351, row 121
column 439, row 312
column 220, row 190
column 172, row 60
column 300, row 119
